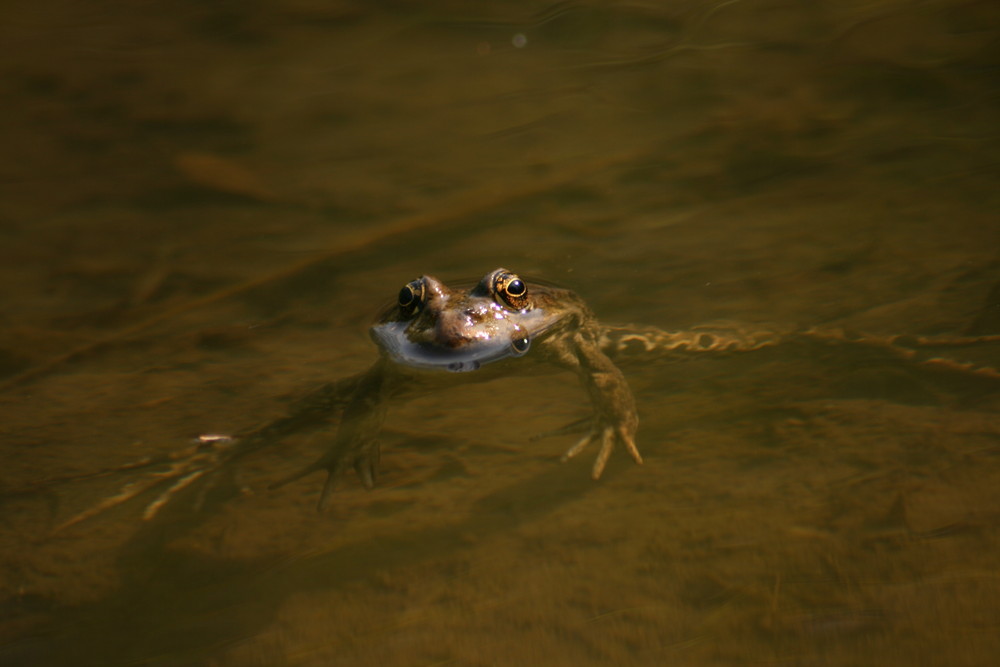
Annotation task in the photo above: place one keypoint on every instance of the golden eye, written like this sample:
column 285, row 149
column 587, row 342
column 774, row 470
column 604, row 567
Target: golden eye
column 411, row 297
column 516, row 288
column 512, row 290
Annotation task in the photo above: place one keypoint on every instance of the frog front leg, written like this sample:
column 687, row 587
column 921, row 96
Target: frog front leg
column 615, row 419
column 356, row 443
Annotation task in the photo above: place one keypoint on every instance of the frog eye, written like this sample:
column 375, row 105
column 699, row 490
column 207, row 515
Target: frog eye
column 512, row 290
column 411, row 297
column 520, row 345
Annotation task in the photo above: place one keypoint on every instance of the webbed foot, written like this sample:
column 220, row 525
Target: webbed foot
column 615, row 419
column 356, row 442
column 206, row 456
column 608, row 435
column 365, row 461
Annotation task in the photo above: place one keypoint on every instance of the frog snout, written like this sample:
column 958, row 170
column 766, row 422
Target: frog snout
column 456, row 328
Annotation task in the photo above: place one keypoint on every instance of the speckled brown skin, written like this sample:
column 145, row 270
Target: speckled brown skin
column 494, row 320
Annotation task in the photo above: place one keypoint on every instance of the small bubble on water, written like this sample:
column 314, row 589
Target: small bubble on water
column 519, row 41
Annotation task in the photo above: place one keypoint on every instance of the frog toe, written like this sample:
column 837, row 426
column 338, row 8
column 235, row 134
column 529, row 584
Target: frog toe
column 576, row 426
column 333, row 470
column 327, row 493
column 607, row 446
column 629, row 441
column 367, row 469
column 608, row 436
column 580, row 445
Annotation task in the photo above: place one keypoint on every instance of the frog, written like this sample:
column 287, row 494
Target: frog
column 433, row 334
column 434, row 328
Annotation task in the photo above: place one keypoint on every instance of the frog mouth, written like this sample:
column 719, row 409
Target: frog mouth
column 470, row 356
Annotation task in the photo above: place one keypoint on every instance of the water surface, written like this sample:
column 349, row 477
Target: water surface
column 203, row 205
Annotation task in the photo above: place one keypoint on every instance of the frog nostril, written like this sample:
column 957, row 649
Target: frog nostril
column 520, row 345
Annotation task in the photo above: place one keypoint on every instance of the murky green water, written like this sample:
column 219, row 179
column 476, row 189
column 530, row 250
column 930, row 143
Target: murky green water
column 203, row 204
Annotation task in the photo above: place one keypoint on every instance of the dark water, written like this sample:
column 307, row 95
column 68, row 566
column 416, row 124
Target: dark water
column 203, row 203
